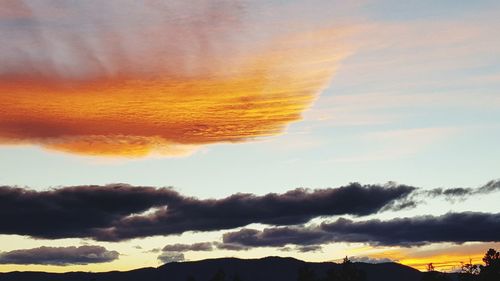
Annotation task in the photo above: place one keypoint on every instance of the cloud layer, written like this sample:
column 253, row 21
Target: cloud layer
column 130, row 78
column 452, row 227
column 118, row 212
column 59, row 255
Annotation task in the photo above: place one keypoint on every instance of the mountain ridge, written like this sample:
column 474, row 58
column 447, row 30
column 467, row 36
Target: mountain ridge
column 263, row 269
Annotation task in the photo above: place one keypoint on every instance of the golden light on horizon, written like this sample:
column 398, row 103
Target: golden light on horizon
column 444, row 257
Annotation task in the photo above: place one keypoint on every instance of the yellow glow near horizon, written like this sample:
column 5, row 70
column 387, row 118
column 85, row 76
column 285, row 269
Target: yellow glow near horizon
column 445, row 256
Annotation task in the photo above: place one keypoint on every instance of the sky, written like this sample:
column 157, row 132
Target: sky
column 134, row 133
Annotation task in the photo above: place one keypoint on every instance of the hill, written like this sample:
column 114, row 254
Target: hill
column 265, row 269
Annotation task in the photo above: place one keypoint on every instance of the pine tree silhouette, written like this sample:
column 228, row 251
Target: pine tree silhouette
column 491, row 269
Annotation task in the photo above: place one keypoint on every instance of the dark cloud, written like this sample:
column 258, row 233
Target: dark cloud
column 309, row 248
column 491, row 186
column 174, row 252
column 59, row 255
column 197, row 247
column 302, row 249
column 293, row 207
column 167, row 257
column 119, row 211
column 459, row 193
column 231, row 247
column 75, row 211
column 277, row 237
column 451, row 227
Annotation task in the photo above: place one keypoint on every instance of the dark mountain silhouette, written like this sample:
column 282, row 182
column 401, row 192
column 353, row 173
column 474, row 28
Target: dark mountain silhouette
column 265, row 269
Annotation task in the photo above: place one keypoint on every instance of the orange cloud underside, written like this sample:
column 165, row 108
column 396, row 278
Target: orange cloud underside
column 134, row 115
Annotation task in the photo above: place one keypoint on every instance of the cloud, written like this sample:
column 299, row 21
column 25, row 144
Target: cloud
column 293, row 207
column 129, row 79
column 203, row 246
column 175, row 252
column 59, row 255
column 370, row 260
column 461, row 193
column 177, row 249
column 171, row 257
column 119, row 211
column 231, row 247
column 450, row 194
column 302, row 249
column 277, row 237
column 452, row 227
column 309, row 248
column 154, row 250
column 75, row 211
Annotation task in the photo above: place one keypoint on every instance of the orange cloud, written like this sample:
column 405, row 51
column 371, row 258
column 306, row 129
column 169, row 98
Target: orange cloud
column 182, row 86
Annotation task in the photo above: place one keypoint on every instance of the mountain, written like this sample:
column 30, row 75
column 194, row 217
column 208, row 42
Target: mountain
column 265, row 269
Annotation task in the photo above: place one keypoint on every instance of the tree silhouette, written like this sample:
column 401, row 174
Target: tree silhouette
column 433, row 275
column 491, row 258
column 491, row 269
column 220, row 275
column 348, row 272
column 430, row 267
column 469, row 271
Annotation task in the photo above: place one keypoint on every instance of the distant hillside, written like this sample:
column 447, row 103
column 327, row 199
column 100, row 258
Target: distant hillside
column 265, row 269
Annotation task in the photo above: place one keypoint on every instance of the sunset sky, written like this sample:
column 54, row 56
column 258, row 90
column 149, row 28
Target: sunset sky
column 134, row 133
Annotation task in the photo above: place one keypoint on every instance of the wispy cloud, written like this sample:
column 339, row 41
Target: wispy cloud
column 118, row 78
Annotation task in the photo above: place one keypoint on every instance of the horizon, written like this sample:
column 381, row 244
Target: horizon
column 338, row 261
column 137, row 133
